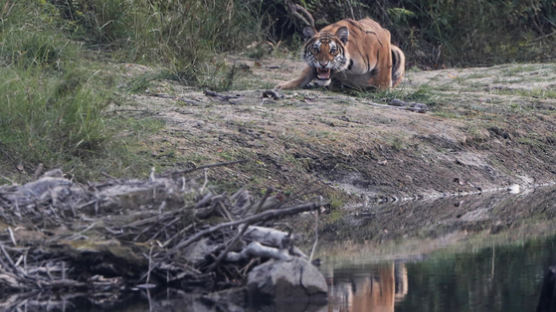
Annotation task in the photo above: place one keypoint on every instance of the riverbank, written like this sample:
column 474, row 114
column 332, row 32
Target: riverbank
column 409, row 230
column 457, row 131
column 482, row 129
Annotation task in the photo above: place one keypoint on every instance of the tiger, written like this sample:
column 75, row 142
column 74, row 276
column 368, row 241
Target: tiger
column 356, row 54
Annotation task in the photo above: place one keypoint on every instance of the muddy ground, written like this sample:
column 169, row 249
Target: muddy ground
column 485, row 129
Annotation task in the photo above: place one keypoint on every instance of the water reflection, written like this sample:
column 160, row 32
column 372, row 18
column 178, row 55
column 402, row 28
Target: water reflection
column 498, row 278
column 503, row 278
column 379, row 288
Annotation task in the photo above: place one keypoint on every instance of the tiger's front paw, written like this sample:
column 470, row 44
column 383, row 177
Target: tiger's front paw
column 281, row 86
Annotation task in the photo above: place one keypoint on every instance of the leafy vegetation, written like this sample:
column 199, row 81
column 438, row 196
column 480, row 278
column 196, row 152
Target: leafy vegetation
column 446, row 32
column 54, row 100
column 184, row 36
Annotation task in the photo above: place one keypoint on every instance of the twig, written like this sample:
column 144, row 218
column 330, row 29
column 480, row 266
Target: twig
column 261, row 203
column 246, row 268
column 12, row 236
column 316, row 236
column 225, row 211
column 185, row 229
column 204, row 183
column 38, row 171
column 150, row 265
column 350, row 9
column 8, row 179
column 7, row 255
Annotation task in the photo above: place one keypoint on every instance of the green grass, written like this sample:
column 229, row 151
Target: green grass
column 58, row 85
column 539, row 93
column 55, row 100
column 519, row 69
column 185, row 36
column 45, row 115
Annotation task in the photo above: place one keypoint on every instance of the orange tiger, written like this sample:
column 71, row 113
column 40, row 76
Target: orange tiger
column 356, row 54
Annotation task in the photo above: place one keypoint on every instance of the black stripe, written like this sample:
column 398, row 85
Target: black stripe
column 353, row 23
column 367, row 62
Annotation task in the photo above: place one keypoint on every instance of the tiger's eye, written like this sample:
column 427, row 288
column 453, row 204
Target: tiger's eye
column 333, row 50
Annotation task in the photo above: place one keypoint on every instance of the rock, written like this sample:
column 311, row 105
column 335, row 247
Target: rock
column 295, row 280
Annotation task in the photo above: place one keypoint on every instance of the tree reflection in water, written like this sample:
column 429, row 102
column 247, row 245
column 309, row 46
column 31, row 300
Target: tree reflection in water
column 378, row 290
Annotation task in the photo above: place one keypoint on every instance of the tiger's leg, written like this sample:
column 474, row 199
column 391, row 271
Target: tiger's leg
column 307, row 75
column 398, row 65
column 382, row 78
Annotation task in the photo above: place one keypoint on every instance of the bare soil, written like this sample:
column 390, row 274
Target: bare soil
column 486, row 129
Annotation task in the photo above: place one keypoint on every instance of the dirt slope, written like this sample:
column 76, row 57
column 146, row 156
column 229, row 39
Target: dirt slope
column 486, row 128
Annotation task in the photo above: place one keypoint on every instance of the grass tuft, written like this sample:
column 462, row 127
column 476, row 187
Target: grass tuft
column 49, row 118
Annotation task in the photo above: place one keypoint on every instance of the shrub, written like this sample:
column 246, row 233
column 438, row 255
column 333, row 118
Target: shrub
column 184, row 35
column 447, row 32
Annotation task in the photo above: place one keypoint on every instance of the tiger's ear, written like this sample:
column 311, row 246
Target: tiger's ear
column 308, row 32
column 343, row 34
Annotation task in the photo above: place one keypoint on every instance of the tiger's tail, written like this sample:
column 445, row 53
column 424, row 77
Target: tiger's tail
column 398, row 65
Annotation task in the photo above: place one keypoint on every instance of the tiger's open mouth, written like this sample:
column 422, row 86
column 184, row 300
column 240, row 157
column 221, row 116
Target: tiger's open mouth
column 323, row 73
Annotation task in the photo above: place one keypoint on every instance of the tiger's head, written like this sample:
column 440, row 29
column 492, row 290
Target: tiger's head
column 326, row 52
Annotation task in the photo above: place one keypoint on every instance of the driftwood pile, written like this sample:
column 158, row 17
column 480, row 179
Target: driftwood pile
column 101, row 240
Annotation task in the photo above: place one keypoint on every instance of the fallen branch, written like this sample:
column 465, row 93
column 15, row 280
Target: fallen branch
column 316, row 236
column 254, row 250
column 268, row 236
column 269, row 214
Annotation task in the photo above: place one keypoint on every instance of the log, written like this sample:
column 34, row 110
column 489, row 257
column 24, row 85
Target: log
column 268, row 236
column 254, row 250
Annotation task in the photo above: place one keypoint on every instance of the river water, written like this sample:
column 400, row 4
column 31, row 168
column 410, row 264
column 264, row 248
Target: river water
column 497, row 278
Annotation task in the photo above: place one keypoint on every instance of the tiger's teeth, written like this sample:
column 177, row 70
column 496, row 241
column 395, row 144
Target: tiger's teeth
column 323, row 73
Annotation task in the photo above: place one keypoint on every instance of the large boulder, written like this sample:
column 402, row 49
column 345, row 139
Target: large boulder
column 294, row 280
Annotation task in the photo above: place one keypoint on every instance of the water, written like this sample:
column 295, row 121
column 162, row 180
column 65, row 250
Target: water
column 501, row 278
column 498, row 278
